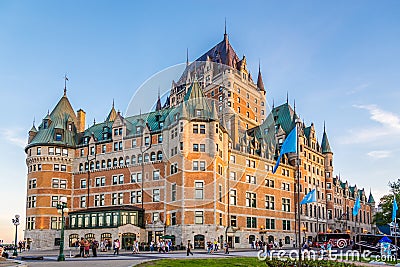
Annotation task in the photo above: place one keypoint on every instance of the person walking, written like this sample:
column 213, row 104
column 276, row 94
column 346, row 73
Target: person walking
column 189, row 247
column 95, row 245
column 87, row 248
column 82, row 248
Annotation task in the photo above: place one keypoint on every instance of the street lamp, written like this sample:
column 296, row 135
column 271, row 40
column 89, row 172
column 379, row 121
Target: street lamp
column 304, row 229
column 62, row 208
column 16, row 223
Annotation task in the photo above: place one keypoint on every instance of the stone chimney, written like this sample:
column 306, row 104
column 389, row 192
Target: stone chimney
column 81, row 121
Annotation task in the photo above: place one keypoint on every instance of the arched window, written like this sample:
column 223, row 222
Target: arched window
column 80, row 167
column 127, row 160
column 287, row 240
column 73, row 240
column 89, row 237
column 115, row 162
column 133, row 159
column 121, row 161
column 103, row 163
column 153, row 156
column 109, row 163
column 86, row 166
column 139, row 158
column 146, row 157
column 97, row 165
column 159, row 155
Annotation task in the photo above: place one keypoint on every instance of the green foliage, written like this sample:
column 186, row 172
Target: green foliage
column 386, row 204
column 212, row 262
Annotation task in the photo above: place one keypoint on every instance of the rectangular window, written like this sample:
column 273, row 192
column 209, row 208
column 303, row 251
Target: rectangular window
column 156, row 195
column 251, row 199
column 58, row 151
column 202, row 148
column 220, row 193
column 286, row 204
column 114, row 199
column 195, row 165
column 285, row 186
column 63, row 184
column 120, row 198
column 156, row 175
column 83, row 183
column 39, row 151
column 199, row 217
column 65, row 152
column 286, row 225
column 173, row 192
column 195, row 147
column 147, row 141
column 56, row 167
column 233, row 221
column 103, row 149
column 232, row 197
column 251, row 179
column 39, row 167
column 156, row 216
column 160, row 138
column 63, row 168
column 202, row 165
column 133, row 197
column 54, row 201
column 30, row 223
column 233, row 159
column 195, row 128
column 269, row 202
column 269, row 224
column 202, row 129
column 83, row 202
column 51, row 150
column 232, row 175
column 96, row 200
column 55, row 183
column 251, row 222
column 269, row 183
column 55, row 223
column 115, row 180
column 121, row 179
column 173, row 218
column 198, row 190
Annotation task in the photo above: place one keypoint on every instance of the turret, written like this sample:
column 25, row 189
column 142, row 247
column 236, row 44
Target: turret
column 328, row 155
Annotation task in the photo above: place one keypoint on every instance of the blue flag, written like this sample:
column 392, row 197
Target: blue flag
column 310, row 197
column 357, row 206
column 395, row 208
column 290, row 145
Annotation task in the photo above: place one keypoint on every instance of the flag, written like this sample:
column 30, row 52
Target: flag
column 310, row 197
column 357, row 206
column 395, row 208
column 290, row 145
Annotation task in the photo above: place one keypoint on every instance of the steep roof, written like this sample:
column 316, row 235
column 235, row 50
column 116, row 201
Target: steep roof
column 326, row 148
column 283, row 116
column 223, row 53
column 260, row 83
column 58, row 119
column 371, row 198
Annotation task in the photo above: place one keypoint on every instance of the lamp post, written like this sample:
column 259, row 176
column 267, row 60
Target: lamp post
column 304, row 229
column 16, row 223
column 62, row 208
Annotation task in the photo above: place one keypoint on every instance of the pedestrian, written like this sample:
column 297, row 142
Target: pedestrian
column 82, row 247
column 280, row 244
column 95, row 245
column 86, row 248
column 116, row 246
column 226, row 248
column 189, row 247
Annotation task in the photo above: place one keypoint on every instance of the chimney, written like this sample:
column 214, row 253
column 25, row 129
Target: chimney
column 81, row 121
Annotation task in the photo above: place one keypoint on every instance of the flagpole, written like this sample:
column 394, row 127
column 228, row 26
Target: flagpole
column 395, row 226
column 298, row 191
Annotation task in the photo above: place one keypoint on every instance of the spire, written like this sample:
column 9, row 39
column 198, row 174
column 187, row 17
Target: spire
column 187, row 57
column 65, row 84
column 225, row 34
column 260, row 83
column 294, row 106
column 158, row 105
column 287, row 97
column 113, row 103
column 113, row 114
column 326, row 148
column 273, row 103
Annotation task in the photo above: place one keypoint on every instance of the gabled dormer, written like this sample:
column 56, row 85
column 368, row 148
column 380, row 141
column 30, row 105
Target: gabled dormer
column 47, row 121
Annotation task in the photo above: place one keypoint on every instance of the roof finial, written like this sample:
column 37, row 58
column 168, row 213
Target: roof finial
column 94, row 121
column 225, row 34
column 65, row 84
column 187, row 57
column 287, row 97
column 259, row 65
column 324, row 126
column 294, row 105
column 273, row 103
column 113, row 103
column 33, row 121
column 225, row 27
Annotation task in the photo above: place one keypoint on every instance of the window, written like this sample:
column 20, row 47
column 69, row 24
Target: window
column 173, row 192
column 121, row 179
column 58, row 151
column 115, row 180
column 55, row 223
column 39, row 151
column 51, row 150
column 202, row 129
column 103, row 149
column 153, row 156
column 232, row 197
column 55, row 183
column 286, row 204
column 147, row 141
column 39, row 167
column 251, row 179
column 30, row 223
column 195, row 165
column 159, row 155
column 31, row 202
column 156, row 195
column 32, row 184
column 134, row 143
column 58, row 137
column 83, row 202
column 198, row 217
column 56, row 167
column 156, row 216
column 199, row 190
column 114, row 199
column 220, row 193
column 269, row 202
column 203, row 166
column 286, row 186
column 250, row 199
column 195, row 147
column 63, row 168
column 269, row 183
column 54, row 201
column 232, row 175
column 233, row 221
column 136, row 177
column 233, row 159
column 195, row 128
column 120, row 198
column 160, row 138
column 286, row 225
column 174, row 168
column 269, row 223
column 83, row 183
column 156, row 175
column 251, row 222
column 173, row 218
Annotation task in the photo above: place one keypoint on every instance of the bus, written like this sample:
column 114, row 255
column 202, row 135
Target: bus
column 338, row 240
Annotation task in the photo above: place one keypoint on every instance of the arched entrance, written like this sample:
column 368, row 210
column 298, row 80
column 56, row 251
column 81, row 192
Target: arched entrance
column 271, row 239
column 128, row 240
column 252, row 238
column 199, row 241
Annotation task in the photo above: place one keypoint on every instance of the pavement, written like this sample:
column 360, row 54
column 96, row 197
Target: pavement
column 127, row 259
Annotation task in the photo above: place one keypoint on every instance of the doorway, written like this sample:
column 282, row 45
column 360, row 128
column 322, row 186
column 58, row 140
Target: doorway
column 128, row 240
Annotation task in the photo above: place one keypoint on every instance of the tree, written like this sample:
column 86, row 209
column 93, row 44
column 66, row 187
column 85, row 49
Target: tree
column 384, row 216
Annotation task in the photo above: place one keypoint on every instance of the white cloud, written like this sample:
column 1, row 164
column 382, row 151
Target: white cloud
column 358, row 89
column 14, row 137
column 389, row 126
column 379, row 154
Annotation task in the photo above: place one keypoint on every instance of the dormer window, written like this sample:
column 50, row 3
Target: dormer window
column 58, row 137
column 70, row 127
column 138, row 129
column 86, row 140
column 198, row 112
column 45, row 124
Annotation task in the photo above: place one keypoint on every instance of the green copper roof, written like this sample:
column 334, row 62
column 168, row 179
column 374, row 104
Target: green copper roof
column 283, row 116
column 57, row 121
column 371, row 198
column 326, row 148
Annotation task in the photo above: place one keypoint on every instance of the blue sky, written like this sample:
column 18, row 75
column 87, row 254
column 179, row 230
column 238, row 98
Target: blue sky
column 338, row 59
